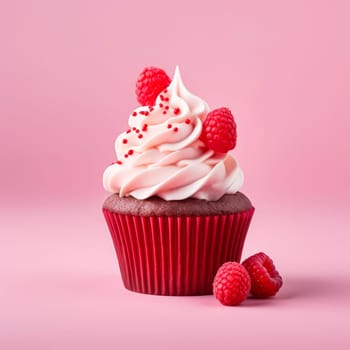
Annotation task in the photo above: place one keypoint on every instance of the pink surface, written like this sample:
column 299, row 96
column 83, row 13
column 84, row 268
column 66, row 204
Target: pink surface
column 67, row 78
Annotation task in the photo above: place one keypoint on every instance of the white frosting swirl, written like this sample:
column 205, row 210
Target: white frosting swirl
column 161, row 154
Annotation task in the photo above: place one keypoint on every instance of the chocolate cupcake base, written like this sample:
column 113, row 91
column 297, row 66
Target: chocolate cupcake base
column 176, row 247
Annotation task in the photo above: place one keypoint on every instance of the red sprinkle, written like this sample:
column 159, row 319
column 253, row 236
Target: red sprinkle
column 166, row 99
column 176, row 129
column 119, row 162
column 166, row 107
column 165, row 91
column 187, row 121
column 125, row 141
column 169, row 126
column 128, row 131
column 145, row 126
column 161, row 105
column 134, row 114
column 137, row 131
column 161, row 97
column 126, row 156
column 133, row 128
column 164, row 112
column 140, row 136
column 177, row 111
column 130, row 152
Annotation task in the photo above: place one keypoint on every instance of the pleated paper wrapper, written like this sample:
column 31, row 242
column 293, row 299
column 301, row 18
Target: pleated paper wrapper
column 175, row 255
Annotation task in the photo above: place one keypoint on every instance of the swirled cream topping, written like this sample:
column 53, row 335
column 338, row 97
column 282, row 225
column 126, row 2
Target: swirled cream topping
column 161, row 154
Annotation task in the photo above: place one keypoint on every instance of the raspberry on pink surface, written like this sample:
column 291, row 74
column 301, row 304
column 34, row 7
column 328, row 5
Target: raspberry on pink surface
column 150, row 83
column 219, row 130
column 231, row 284
column 265, row 279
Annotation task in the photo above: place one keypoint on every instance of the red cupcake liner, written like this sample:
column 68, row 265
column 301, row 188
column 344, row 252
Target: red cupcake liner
column 175, row 255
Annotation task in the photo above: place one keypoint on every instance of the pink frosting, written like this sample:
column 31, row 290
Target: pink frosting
column 161, row 154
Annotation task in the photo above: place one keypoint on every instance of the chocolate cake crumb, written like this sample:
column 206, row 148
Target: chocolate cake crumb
column 156, row 206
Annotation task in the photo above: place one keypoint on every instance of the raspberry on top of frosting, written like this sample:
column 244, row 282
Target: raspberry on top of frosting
column 162, row 153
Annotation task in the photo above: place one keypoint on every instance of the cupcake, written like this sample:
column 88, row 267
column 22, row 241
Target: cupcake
column 175, row 213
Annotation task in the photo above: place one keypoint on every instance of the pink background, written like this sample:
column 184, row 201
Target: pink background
column 67, row 74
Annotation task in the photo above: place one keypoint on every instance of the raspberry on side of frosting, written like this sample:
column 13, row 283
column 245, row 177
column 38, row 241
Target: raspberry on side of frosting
column 219, row 130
